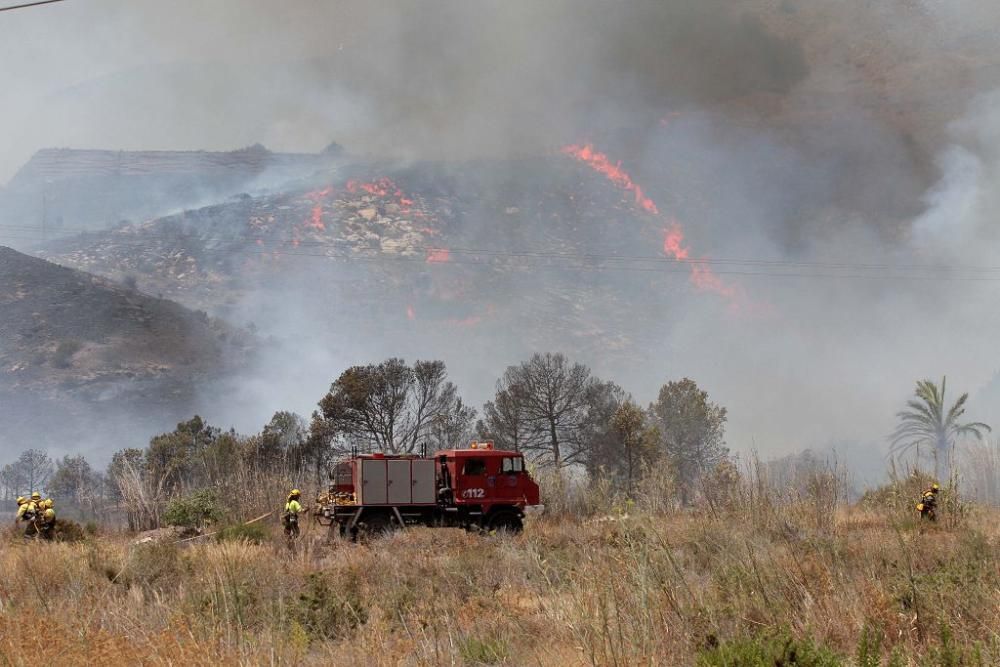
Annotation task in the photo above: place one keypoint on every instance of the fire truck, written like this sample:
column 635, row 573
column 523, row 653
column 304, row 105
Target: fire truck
column 478, row 488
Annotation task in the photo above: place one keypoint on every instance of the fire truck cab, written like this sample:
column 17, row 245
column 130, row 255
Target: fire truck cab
column 478, row 488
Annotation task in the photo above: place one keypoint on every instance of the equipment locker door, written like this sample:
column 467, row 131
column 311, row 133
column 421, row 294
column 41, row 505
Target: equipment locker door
column 373, row 482
column 424, row 492
column 399, row 482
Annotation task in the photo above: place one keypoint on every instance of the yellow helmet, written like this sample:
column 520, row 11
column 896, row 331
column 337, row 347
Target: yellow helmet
column 47, row 504
column 21, row 500
column 935, row 486
column 295, row 492
column 36, row 495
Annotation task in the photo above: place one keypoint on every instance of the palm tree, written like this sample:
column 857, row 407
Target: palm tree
column 926, row 422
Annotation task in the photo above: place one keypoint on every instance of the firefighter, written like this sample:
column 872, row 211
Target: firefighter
column 47, row 520
column 928, row 503
column 27, row 512
column 291, row 515
column 22, row 507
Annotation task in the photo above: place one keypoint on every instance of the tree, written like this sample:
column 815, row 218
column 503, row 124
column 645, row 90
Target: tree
column 140, row 495
column 505, row 418
column 178, row 457
column 452, row 429
column 926, row 422
column 602, row 443
column 75, row 481
column 637, row 442
column 692, row 430
column 390, row 407
column 553, row 395
column 30, row 472
column 282, row 441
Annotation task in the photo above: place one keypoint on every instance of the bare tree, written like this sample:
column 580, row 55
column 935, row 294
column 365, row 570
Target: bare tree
column 76, row 482
column 30, row 472
column 452, row 428
column 553, row 394
column 505, row 418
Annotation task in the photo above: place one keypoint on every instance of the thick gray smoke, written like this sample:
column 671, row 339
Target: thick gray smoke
column 848, row 145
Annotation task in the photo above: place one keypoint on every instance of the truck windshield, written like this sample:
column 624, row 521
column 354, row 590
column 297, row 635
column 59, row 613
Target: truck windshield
column 513, row 464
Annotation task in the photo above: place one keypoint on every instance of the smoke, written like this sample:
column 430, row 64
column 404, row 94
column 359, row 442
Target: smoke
column 837, row 150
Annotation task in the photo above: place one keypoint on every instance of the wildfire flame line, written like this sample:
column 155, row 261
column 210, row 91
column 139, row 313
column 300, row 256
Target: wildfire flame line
column 702, row 275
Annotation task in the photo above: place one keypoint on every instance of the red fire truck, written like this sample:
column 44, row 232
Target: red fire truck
column 475, row 488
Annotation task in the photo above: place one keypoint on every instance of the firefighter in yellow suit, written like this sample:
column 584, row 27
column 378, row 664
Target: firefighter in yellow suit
column 28, row 511
column 291, row 515
column 928, row 503
column 47, row 520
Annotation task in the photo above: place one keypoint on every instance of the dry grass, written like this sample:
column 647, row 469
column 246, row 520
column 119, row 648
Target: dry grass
column 646, row 589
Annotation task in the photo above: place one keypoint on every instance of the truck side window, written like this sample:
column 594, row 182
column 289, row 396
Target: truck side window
column 513, row 465
column 474, row 467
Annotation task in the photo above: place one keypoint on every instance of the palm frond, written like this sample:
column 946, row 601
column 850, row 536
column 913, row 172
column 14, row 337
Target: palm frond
column 957, row 410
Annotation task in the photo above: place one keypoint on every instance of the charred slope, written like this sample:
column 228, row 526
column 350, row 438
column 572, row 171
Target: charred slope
column 81, row 347
column 475, row 245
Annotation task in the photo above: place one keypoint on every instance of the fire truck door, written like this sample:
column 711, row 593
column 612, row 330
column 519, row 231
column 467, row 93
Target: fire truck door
column 507, row 484
column 472, row 484
column 399, row 482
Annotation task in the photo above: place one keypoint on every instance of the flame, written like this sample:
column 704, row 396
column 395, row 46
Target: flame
column 317, row 197
column 702, row 276
column 600, row 162
column 378, row 188
column 673, row 239
column 438, row 255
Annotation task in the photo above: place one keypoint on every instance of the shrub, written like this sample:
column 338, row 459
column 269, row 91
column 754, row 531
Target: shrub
column 69, row 531
column 484, row 651
column 253, row 533
column 152, row 565
column 769, row 651
column 329, row 610
column 194, row 510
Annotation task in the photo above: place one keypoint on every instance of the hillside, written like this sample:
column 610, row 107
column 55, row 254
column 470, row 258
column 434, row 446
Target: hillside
column 85, row 346
column 62, row 189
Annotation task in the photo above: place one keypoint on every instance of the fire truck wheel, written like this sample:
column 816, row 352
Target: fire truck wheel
column 506, row 520
column 377, row 524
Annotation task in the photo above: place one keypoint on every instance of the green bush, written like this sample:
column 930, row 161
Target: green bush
column 254, row 533
column 194, row 510
column 769, row 651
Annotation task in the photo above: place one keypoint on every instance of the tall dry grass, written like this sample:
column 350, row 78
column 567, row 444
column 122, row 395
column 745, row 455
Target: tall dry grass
column 618, row 588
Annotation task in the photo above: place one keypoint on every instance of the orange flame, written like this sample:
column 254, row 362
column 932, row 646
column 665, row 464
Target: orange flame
column 317, row 197
column 438, row 255
column 702, row 275
column 600, row 162
column 673, row 239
